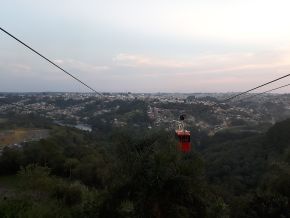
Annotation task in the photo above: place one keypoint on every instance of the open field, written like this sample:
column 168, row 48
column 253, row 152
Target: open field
column 16, row 136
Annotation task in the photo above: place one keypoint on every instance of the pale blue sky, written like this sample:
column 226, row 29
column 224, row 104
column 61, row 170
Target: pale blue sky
column 145, row 46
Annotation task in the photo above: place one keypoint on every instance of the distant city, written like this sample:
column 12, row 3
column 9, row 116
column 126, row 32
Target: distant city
column 204, row 111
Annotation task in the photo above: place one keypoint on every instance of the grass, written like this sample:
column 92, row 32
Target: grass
column 13, row 136
column 19, row 135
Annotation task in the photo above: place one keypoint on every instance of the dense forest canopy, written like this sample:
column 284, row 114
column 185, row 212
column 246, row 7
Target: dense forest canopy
column 137, row 172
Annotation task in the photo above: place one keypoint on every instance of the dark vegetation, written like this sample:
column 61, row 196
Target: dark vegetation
column 134, row 172
column 15, row 120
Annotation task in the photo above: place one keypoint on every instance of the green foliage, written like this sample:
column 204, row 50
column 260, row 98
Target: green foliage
column 156, row 179
column 70, row 195
column 278, row 136
column 268, row 205
column 23, row 207
column 35, row 178
column 33, row 120
column 41, row 195
column 10, row 160
column 133, row 172
column 252, row 174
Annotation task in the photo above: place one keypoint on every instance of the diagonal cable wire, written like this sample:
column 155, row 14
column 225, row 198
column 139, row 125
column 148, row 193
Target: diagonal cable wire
column 51, row 62
column 280, row 87
column 245, row 92
column 69, row 74
column 257, row 87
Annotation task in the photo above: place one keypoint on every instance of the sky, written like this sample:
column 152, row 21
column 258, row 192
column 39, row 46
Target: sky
column 145, row 46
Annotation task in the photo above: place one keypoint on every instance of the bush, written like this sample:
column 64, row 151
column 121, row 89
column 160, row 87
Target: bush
column 69, row 194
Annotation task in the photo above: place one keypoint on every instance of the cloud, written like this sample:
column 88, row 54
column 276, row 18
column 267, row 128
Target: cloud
column 138, row 60
column 59, row 61
column 205, row 72
column 20, row 67
column 16, row 67
column 81, row 66
column 208, row 63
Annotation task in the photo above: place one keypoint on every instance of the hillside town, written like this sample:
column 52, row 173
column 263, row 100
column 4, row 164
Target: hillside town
column 204, row 112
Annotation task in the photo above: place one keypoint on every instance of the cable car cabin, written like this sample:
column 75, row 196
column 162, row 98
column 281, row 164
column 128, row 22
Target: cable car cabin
column 183, row 137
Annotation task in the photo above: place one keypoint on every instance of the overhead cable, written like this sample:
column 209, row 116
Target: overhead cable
column 258, row 94
column 257, row 87
column 51, row 62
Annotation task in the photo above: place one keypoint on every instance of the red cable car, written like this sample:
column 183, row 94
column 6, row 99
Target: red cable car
column 184, row 140
column 183, row 136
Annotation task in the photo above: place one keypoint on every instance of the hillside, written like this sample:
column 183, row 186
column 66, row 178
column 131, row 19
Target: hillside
column 133, row 173
column 252, row 174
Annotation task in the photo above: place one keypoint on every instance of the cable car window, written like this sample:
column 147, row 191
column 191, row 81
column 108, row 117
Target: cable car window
column 186, row 138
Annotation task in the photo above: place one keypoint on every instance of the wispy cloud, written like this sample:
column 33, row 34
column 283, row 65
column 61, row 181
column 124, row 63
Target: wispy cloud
column 20, row 67
column 211, row 72
column 81, row 65
column 16, row 69
column 138, row 60
column 209, row 63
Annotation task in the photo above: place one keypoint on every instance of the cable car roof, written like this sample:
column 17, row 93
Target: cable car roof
column 182, row 132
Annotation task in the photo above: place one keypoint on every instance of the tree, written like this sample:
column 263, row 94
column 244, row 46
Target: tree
column 70, row 164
